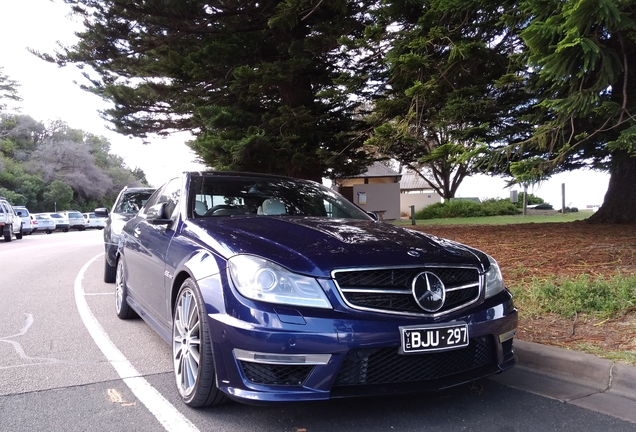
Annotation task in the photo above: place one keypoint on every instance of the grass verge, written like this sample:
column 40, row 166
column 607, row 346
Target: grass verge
column 501, row 220
column 601, row 297
column 583, row 298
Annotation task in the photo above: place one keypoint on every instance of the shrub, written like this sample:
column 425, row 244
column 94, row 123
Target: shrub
column 500, row 207
column 532, row 200
column 467, row 208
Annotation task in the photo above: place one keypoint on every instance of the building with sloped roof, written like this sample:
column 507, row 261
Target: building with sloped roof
column 416, row 192
column 376, row 190
column 386, row 192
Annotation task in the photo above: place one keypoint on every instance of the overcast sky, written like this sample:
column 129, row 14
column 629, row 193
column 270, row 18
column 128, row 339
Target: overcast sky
column 51, row 93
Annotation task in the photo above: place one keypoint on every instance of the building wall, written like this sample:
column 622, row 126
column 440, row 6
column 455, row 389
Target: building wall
column 379, row 197
column 419, row 200
column 369, row 180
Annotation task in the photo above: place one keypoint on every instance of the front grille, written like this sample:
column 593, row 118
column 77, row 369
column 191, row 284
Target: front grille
column 389, row 290
column 386, row 366
column 281, row 375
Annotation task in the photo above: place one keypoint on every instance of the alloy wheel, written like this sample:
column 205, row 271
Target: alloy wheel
column 186, row 341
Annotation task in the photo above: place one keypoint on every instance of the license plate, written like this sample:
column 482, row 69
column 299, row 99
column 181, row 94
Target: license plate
column 434, row 338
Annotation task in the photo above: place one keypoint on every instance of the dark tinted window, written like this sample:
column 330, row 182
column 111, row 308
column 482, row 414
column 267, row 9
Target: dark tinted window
column 132, row 201
column 225, row 196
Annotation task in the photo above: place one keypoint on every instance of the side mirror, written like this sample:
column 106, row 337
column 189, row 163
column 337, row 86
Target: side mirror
column 373, row 215
column 101, row 212
column 156, row 215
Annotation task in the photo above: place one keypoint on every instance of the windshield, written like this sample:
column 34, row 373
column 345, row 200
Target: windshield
column 131, row 201
column 212, row 196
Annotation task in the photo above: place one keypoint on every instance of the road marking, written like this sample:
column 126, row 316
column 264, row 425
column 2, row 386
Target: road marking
column 169, row 417
column 20, row 350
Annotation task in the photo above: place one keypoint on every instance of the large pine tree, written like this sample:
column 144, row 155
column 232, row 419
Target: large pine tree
column 264, row 86
column 454, row 87
column 583, row 53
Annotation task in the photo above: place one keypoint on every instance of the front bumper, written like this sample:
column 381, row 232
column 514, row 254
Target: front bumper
column 284, row 356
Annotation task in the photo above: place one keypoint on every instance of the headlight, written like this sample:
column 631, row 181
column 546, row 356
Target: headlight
column 259, row 279
column 494, row 280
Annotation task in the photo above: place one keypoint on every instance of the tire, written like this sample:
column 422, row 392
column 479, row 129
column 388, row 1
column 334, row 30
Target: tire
column 110, row 272
column 65, row 230
column 192, row 350
column 124, row 311
column 8, row 233
column 49, row 231
column 19, row 234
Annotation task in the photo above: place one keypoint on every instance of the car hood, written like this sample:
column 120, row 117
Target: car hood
column 316, row 246
column 118, row 220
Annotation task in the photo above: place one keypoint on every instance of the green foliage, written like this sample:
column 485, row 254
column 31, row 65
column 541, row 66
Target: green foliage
column 582, row 56
column 57, row 196
column 459, row 208
column 452, row 88
column 13, row 197
column 8, row 90
column 600, row 296
column 265, row 87
column 501, row 220
column 44, row 167
column 530, row 200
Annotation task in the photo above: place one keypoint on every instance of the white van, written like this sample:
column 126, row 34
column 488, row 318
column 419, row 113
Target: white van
column 10, row 223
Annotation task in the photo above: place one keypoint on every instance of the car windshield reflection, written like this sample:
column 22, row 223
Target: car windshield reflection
column 214, row 196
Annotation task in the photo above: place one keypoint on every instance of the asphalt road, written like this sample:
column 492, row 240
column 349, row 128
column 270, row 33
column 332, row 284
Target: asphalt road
column 63, row 353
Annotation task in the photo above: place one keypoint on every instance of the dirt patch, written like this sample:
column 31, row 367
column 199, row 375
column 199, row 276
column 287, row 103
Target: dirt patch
column 549, row 250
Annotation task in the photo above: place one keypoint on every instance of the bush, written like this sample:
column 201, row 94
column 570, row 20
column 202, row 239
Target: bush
column 499, row 207
column 467, row 208
column 531, row 200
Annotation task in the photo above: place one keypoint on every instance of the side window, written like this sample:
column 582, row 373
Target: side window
column 152, row 200
column 170, row 195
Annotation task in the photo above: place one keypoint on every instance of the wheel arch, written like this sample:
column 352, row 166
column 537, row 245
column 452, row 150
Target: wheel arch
column 177, row 281
column 200, row 264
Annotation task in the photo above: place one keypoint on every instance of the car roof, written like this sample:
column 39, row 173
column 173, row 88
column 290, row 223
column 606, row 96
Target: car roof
column 138, row 189
column 237, row 174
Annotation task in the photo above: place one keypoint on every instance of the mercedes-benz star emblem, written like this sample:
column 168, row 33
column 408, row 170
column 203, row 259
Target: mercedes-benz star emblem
column 429, row 291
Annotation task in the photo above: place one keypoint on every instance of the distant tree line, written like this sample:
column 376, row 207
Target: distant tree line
column 51, row 166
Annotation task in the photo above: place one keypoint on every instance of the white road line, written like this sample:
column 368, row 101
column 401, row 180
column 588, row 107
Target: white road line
column 169, row 417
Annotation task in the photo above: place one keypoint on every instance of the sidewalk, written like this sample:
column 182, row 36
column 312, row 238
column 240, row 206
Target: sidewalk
column 574, row 377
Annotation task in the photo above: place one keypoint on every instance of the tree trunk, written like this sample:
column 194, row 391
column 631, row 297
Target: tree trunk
column 619, row 206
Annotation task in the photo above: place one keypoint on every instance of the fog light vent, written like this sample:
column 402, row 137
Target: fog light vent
column 278, row 375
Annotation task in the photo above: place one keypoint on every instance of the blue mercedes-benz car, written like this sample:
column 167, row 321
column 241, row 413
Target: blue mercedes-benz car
column 276, row 289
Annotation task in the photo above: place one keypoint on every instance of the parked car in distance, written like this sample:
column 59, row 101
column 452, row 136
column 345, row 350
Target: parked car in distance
column 61, row 221
column 24, row 214
column 127, row 204
column 75, row 219
column 34, row 223
column 91, row 220
column 272, row 289
column 10, row 222
column 44, row 223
